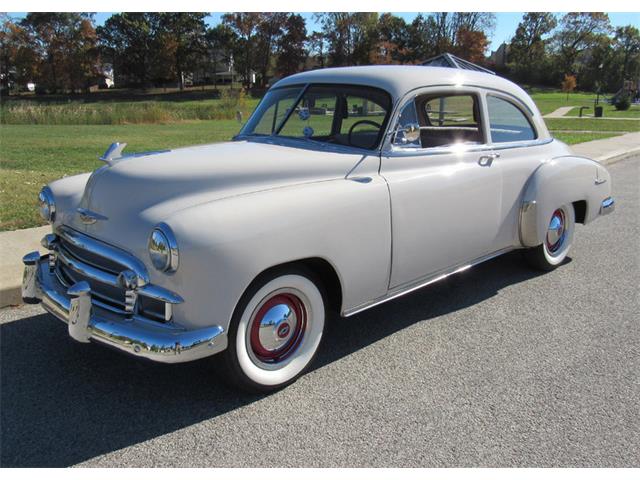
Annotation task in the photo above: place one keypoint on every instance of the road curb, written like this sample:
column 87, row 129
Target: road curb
column 619, row 156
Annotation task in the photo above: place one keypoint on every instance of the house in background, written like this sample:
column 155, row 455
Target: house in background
column 500, row 56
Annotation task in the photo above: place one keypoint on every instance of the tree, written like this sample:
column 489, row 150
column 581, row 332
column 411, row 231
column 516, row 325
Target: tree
column 471, row 45
column 421, row 38
column 627, row 47
column 220, row 42
column 245, row 27
column 182, row 37
column 578, row 33
column 63, row 48
column 350, row 37
column 127, row 39
column 317, row 48
column 569, row 84
column 19, row 62
column 270, row 29
column 291, row 46
column 391, row 46
column 528, row 47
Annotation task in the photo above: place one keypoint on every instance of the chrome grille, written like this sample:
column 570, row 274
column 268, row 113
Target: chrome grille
column 79, row 257
column 109, row 294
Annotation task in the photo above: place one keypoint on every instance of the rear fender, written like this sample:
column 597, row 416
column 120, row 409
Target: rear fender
column 561, row 181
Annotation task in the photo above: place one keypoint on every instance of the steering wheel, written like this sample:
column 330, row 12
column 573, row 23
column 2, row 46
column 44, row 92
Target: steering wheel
column 368, row 122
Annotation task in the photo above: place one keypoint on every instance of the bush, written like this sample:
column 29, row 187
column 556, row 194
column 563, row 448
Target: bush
column 622, row 102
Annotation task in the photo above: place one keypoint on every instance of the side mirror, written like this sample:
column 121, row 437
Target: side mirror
column 411, row 132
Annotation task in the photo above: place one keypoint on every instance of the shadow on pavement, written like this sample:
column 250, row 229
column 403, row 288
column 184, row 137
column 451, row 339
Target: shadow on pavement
column 63, row 402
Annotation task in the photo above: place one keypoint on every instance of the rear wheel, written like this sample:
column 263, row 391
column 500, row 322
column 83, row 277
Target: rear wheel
column 275, row 331
column 557, row 241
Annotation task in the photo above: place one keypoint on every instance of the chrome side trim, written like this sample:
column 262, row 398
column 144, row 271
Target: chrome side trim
column 423, row 282
column 460, row 148
column 608, row 206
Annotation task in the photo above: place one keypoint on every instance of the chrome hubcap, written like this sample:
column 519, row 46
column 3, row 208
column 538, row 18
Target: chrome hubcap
column 277, row 328
column 556, row 231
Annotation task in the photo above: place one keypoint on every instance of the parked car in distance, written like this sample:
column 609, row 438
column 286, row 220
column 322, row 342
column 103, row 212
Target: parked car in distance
column 345, row 189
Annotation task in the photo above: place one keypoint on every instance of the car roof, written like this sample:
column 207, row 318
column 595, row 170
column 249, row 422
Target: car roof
column 400, row 79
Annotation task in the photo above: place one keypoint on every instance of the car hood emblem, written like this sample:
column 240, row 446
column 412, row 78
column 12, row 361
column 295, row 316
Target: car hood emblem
column 88, row 217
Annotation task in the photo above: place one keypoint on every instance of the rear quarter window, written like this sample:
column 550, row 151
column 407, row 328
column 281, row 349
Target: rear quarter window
column 507, row 123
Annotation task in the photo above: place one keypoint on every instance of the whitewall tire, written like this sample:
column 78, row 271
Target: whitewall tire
column 275, row 331
column 557, row 241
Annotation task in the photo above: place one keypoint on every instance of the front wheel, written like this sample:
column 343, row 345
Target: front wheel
column 557, row 241
column 275, row 331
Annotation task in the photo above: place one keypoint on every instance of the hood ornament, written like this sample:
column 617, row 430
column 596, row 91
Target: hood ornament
column 114, row 152
column 88, row 217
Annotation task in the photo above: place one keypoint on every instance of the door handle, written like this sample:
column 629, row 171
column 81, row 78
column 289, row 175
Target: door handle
column 487, row 160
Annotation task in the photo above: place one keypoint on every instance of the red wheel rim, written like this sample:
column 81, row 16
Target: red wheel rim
column 277, row 328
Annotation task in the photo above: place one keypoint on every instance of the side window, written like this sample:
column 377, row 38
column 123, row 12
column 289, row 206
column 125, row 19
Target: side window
column 450, row 119
column 313, row 114
column 507, row 122
column 408, row 116
column 281, row 102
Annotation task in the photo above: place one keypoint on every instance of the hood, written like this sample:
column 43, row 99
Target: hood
column 144, row 190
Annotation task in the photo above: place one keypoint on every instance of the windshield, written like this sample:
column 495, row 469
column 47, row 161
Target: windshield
column 334, row 114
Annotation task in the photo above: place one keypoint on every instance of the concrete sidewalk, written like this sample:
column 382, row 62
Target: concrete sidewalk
column 14, row 245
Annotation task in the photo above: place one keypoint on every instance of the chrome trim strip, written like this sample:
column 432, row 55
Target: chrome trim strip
column 158, row 293
column 608, row 206
column 137, row 336
column 87, row 270
column 423, row 282
column 85, row 242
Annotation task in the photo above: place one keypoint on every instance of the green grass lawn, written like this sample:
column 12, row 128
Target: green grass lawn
column 547, row 102
column 592, row 124
column 573, row 138
column 609, row 111
column 33, row 155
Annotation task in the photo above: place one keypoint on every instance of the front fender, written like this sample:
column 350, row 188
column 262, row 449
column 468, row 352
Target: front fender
column 226, row 243
column 563, row 180
column 67, row 193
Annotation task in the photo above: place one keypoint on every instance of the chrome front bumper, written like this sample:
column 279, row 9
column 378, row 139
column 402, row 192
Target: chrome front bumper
column 135, row 335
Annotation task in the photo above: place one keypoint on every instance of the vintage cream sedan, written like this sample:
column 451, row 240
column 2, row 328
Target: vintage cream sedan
column 345, row 189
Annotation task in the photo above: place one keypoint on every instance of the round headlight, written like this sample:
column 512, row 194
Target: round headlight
column 163, row 249
column 47, row 204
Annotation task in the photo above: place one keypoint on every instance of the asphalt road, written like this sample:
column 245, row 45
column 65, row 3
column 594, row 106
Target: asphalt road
column 498, row 366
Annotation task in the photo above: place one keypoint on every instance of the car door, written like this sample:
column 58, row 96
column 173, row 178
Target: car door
column 444, row 188
column 514, row 137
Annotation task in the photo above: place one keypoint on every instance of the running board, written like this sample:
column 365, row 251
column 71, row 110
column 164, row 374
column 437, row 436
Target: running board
column 423, row 282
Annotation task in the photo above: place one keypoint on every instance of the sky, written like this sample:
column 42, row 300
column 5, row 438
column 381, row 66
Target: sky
column 506, row 22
